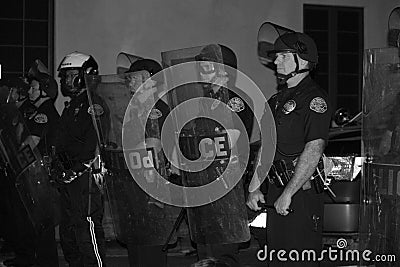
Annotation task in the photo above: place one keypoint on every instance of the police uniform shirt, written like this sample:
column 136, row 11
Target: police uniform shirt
column 243, row 107
column 302, row 114
column 41, row 121
column 77, row 136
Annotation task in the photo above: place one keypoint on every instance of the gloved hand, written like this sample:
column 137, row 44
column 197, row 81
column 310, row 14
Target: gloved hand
column 68, row 176
column 98, row 176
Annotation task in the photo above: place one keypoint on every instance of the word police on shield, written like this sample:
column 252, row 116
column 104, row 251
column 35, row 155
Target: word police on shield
column 142, row 158
column 219, row 144
column 207, row 148
column 202, row 150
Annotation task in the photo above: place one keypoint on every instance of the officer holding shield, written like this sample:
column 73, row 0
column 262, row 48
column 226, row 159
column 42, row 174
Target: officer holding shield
column 140, row 254
column 302, row 117
column 81, row 231
column 221, row 240
column 42, row 119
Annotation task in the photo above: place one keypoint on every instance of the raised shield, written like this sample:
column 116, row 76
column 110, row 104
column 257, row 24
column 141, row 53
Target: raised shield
column 379, row 225
column 131, row 161
column 206, row 134
column 25, row 169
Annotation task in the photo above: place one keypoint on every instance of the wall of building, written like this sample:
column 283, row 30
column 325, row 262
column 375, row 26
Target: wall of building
column 103, row 28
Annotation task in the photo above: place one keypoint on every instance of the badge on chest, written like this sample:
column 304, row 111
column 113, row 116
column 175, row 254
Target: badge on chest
column 289, row 106
column 41, row 118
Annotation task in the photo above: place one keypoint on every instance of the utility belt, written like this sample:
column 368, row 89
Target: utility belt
column 283, row 170
column 61, row 165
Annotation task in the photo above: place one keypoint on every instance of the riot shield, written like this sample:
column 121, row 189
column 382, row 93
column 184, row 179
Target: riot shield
column 138, row 218
column 206, row 133
column 25, row 168
column 379, row 216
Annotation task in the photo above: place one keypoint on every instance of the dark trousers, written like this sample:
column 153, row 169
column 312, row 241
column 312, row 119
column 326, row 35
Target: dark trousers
column 81, row 231
column 300, row 230
column 146, row 256
column 30, row 247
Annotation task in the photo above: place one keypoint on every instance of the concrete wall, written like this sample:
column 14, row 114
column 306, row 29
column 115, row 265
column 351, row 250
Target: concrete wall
column 104, row 28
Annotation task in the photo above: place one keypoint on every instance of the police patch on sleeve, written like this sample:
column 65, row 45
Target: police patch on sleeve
column 41, row 118
column 155, row 114
column 318, row 105
column 235, row 104
column 96, row 110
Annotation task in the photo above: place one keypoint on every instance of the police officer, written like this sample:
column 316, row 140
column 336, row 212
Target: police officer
column 12, row 90
column 302, row 117
column 42, row 119
column 227, row 248
column 81, row 232
column 149, row 255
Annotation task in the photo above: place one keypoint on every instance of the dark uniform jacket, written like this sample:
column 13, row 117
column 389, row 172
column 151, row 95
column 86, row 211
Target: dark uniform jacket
column 302, row 114
column 77, row 138
column 43, row 122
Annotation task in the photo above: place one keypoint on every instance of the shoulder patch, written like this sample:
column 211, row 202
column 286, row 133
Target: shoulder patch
column 41, row 118
column 236, row 104
column 155, row 114
column 96, row 110
column 318, row 105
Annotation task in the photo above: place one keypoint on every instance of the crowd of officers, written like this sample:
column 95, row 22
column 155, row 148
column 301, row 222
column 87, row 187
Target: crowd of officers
column 302, row 116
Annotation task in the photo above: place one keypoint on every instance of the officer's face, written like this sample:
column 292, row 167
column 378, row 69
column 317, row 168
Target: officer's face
column 70, row 81
column 34, row 91
column 285, row 63
column 70, row 77
column 207, row 71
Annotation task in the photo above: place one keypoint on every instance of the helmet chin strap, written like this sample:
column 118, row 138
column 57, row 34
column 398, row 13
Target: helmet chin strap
column 38, row 98
column 283, row 78
column 78, row 92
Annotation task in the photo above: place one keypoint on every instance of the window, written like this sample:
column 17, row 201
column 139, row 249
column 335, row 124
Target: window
column 338, row 32
column 26, row 34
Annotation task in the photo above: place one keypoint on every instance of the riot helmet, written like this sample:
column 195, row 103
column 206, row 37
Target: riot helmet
column 45, row 83
column 298, row 43
column 147, row 64
column 40, row 81
column 301, row 46
column 72, row 71
column 210, row 72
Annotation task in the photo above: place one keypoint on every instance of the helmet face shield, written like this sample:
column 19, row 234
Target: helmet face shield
column 268, row 34
column 70, row 81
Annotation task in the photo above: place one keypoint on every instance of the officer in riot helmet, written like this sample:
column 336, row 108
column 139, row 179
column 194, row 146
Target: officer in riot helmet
column 240, row 104
column 72, row 70
column 218, row 82
column 139, row 254
column 81, row 231
column 302, row 116
column 41, row 118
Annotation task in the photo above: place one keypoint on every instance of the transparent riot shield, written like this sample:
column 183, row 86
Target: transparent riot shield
column 138, row 218
column 26, row 169
column 380, row 212
column 206, row 134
